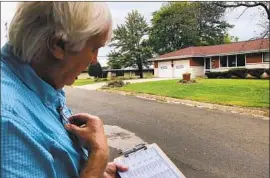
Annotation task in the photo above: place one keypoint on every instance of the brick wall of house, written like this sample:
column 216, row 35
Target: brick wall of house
column 254, row 58
column 196, row 61
column 215, row 62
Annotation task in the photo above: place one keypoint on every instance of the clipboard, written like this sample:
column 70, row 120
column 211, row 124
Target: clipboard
column 147, row 161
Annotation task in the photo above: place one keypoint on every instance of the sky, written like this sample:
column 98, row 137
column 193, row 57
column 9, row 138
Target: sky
column 245, row 27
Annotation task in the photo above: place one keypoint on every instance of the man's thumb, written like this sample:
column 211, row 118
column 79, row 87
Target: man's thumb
column 73, row 128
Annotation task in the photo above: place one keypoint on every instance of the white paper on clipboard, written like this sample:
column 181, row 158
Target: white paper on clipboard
column 149, row 163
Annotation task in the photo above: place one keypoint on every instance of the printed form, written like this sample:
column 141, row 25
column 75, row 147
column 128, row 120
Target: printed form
column 149, row 163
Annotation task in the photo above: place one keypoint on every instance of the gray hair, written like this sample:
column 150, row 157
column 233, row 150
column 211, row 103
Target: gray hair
column 34, row 23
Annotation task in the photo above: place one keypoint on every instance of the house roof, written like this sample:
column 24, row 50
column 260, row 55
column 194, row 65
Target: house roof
column 126, row 70
column 223, row 49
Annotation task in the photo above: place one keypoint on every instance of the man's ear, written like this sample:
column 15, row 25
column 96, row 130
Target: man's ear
column 57, row 48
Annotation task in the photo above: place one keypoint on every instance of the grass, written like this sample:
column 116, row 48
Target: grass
column 80, row 82
column 237, row 92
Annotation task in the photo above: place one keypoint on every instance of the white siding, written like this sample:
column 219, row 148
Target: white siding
column 197, row 71
column 156, row 72
column 257, row 65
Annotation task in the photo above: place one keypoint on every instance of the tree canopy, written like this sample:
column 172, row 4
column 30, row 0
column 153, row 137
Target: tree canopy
column 229, row 39
column 95, row 70
column 265, row 15
column 131, row 47
column 178, row 25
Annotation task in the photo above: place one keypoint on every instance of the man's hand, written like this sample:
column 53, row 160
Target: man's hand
column 112, row 168
column 91, row 134
column 90, row 130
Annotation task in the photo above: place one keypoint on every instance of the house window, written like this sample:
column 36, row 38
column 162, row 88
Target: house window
column 231, row 61
column 223, row 61
column 266, row 57
column 241, row 61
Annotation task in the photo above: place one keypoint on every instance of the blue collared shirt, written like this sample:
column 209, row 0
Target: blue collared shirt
column 34, row 142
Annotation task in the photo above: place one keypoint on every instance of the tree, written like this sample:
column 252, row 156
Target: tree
column 178, row 25
column 229, row 39
column 115, row 60
column 105, row 68
column 95, row 70
column 130, row 43
column 265, row 5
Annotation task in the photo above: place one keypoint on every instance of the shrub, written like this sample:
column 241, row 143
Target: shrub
column 213, row 74
column 95, row 70
column 267, row 71
column 115, row 83
column 226, row 74
column 256, row 72
column 239, row 72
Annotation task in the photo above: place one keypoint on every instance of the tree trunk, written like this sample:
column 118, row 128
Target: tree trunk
column 140, row 69
column 141, row 72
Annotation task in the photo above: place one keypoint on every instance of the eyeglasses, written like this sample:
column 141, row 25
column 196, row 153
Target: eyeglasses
column 72, row 136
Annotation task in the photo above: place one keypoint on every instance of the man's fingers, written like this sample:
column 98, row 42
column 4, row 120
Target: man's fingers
column 82, row 118
column 121, row 167
column 74, row 129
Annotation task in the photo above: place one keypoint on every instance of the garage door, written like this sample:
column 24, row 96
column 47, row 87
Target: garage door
column 180, row 67
column 165, row 69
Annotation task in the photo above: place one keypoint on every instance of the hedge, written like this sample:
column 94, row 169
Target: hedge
column 256, row 72
column 225, row 74
column 267, row 71
column 213, row 74
column 238, row 72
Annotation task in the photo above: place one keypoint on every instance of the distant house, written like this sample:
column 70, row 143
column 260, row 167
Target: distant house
column 202, row 59
column 128, row 72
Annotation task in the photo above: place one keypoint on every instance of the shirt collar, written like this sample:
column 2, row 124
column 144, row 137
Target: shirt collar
column 28, row 76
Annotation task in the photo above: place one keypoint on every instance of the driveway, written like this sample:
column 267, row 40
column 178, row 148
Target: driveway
column 202, row 143
column 96, row 86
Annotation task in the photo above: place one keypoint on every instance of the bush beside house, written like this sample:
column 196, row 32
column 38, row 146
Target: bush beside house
column 256, row 73
column 239, row 73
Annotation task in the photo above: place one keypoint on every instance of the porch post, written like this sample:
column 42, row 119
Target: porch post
column 210, row 63
column 204, row 65
column 235, row 60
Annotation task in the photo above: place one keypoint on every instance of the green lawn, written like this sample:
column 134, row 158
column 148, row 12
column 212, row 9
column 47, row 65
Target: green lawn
column 240, row 92
column 80, row 82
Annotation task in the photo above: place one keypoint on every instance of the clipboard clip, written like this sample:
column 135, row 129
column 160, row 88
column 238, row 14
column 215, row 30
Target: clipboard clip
column 132, row 150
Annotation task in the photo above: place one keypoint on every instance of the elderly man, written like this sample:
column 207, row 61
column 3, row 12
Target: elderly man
column 50, row 43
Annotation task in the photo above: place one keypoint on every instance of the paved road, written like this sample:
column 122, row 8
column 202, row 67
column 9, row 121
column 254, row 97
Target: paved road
column 202, row 143
column 96, row 86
